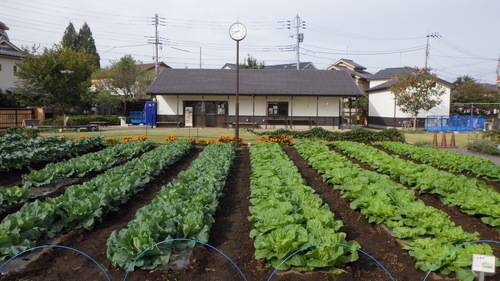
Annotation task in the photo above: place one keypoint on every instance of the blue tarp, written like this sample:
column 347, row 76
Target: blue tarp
column 137, row 117
column 453, row 123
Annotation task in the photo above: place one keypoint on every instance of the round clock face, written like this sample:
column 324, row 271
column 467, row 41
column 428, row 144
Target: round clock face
column 237, row 31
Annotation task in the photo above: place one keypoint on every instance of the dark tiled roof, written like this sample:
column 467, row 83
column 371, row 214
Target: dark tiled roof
column 351, row 62
column 6, row 50
column 302, row 65
column 362, row 74
column 152, row 65
column 389, row 73
column 265, row 82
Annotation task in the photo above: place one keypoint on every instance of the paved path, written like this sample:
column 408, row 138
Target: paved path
column 493, row 158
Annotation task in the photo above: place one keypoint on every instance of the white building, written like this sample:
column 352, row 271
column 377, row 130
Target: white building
column 382, row 109
column 267, row 98
column 9, row 56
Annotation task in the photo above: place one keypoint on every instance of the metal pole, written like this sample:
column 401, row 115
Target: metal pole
column 237, row 104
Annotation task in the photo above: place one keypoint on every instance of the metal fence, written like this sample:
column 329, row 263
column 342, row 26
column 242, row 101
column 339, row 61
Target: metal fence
column 453, row 123
column 14, row 116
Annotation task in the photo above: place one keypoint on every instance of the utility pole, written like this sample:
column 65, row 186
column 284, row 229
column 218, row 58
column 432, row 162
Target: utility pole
column 433, row 35
column 299, row 36
column 157, row 40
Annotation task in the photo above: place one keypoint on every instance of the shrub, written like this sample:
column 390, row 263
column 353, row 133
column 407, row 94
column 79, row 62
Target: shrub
column 483, row 146
column 280, row 139
column 492, row 135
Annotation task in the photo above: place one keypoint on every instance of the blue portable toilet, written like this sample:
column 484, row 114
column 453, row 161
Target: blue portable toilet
column 150, row 110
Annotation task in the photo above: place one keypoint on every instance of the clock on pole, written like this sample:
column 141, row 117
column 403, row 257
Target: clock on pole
column 237, row 31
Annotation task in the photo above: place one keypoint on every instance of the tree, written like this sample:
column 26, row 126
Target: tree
column 467, row 90
column 87, row 44
column 125, row 78
column 81, row 42
column 415, row 91
column 70, row 38
column 251, row 63
column 58, row 78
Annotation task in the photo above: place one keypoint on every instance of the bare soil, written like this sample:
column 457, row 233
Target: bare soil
column 230, row 234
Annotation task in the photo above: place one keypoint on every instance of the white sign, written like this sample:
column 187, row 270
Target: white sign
column 188, row 118
column 483, row 263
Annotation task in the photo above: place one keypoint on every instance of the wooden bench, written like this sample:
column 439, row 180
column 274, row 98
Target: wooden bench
column 274, row 121
column 289, row 122
column 30, row 123
column 292, row 121
column 77, row 127
column 232, row 124
column 176, row 123
column 99, row 123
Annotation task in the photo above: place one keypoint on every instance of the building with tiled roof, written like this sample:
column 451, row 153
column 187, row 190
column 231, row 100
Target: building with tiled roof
column 9, row 56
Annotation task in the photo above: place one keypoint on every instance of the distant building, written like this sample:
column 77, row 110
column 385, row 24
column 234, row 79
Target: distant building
column 358, row 72
column 302, row 66
column 151, row 66
column 268, row 97
column 9, row 56
column 382, row 110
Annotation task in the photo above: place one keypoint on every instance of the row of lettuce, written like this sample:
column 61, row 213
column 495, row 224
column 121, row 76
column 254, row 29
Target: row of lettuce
column 183, row 208
column 445, row 159
column 76, row 167
column 472, row 196
column 85, row 204
column 287, row 214
column 429, row 234
column 16, row 153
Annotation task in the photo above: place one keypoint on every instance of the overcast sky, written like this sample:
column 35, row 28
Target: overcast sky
column 376, row 34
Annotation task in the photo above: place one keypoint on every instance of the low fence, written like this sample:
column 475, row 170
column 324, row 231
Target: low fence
column 14, row 116
column 454, row 123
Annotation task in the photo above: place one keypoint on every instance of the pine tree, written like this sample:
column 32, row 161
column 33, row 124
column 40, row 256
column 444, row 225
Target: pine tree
column 70, row 38
column 87, row 43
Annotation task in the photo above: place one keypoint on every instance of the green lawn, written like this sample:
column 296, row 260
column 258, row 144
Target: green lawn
column 461, row 138
column 158, row 135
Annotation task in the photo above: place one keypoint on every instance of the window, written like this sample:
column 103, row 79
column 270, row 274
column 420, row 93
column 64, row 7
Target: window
column 15, row 68
column 277, row 108
column 0, row 67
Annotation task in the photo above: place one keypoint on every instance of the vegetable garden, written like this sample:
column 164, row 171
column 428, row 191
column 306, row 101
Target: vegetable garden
column 179, row 211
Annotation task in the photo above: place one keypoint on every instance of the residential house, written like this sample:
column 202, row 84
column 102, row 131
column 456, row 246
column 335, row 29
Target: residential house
column 382, row 110
column 9, row 56
column 292, row 66
column 358, row 72
column 267, row 97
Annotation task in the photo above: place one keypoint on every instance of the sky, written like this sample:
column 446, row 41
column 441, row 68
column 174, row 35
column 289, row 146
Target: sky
column 463, row 35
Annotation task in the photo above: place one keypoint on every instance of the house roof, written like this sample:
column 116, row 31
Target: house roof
column 265, row 82
column 152, row 65
column 389, row 73
column 292, row 66
column 302, row 65
column 349, row 62
column 353, row 68
column 9, row 49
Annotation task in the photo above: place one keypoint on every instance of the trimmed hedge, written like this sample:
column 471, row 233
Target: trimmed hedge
column 83, row 119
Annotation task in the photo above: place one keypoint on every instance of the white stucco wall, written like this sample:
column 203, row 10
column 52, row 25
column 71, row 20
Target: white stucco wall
column 298, row 106
column 7, row 77
column 381, row 104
